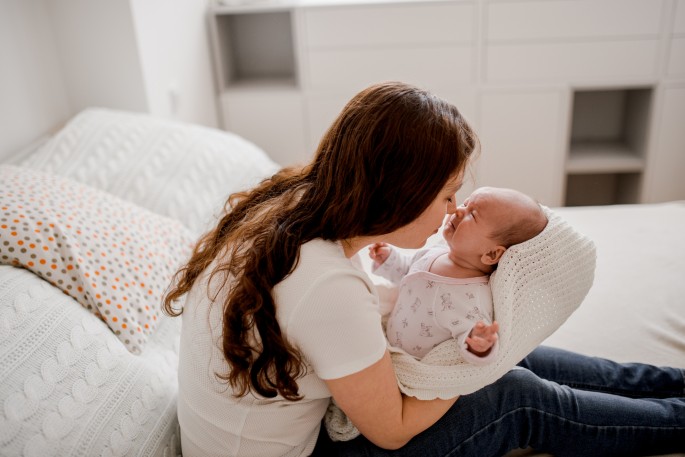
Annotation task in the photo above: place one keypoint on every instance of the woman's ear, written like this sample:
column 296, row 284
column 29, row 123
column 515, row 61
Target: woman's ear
column 493, row 255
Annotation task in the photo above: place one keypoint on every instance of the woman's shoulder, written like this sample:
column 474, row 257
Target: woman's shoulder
column 323, row 271
column 323, row 268
column 324, row 257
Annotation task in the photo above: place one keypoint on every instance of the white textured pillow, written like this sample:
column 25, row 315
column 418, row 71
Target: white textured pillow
column 179, row 170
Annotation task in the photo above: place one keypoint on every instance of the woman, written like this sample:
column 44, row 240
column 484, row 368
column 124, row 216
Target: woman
column 277, row 318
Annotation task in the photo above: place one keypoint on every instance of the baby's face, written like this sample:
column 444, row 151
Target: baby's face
column 468, row 231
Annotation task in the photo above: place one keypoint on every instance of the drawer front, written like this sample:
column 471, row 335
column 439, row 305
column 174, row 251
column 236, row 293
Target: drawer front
column 395, row 24
column 539, row 20
column 431, row 66
column 572, row 62
column 676, row 61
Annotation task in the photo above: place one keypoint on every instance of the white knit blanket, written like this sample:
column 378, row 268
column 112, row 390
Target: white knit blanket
column 537, row 286
column 69, row 387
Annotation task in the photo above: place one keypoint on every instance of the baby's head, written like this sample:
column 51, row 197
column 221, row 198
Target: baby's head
column 491, row 220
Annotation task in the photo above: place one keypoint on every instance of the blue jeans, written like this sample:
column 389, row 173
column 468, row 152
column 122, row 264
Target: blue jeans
column 558, row 402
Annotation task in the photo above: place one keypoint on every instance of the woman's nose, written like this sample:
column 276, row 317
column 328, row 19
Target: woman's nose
column 459, row 211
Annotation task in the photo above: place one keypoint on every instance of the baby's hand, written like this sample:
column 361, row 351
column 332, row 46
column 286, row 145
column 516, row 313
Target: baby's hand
column 379, row 252
column 482, row 338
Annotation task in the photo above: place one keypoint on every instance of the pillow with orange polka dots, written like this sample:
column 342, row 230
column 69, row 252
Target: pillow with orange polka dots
column 112, row 256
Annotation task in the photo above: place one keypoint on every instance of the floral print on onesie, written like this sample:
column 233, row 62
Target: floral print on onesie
column 431, row 309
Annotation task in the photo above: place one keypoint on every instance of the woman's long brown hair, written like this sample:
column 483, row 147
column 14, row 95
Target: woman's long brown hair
column 378, row 167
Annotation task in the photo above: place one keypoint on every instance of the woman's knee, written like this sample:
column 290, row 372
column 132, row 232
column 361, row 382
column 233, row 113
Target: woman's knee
column 521, row 387
column 520, row 378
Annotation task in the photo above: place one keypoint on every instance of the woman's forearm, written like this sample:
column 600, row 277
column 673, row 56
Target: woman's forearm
column 418, row 415
column 373, row 402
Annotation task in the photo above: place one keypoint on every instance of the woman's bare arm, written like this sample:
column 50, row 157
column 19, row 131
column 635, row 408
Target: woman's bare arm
column 374, row 403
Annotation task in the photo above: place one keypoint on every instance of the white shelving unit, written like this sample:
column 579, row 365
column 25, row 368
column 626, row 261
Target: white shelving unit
column 575, row 102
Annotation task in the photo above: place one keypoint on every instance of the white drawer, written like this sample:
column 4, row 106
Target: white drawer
column 572, row 62
column 676, row 60
column 430, row 66
column 539, row 20
column 394, row 24
column 679, row 24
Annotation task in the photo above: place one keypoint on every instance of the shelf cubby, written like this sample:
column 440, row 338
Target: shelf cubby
column 255, row 49
column 606, row 156
column 602, row 189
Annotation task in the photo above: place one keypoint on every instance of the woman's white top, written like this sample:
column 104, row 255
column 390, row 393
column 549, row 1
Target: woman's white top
column 328, row 308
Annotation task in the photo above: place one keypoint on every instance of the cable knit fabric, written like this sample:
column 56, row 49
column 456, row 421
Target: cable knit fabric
column 69, row 387
column 179, row 170
column 537, row 286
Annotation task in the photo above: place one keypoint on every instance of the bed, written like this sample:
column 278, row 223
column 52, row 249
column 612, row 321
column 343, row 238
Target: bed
column 72, row 383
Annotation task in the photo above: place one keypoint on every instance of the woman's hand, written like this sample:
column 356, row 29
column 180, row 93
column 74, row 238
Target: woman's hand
column 379, row 253
column 482, row 338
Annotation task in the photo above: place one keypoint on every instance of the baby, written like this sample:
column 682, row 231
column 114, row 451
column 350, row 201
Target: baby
column 444, row 291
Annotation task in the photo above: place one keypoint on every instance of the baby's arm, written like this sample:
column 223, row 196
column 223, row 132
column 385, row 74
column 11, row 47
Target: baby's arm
column 482, row 338
column 379, row 253
column 391, row 263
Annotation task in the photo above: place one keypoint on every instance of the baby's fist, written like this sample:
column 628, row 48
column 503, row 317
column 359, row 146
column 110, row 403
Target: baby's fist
column 379, row 253
column 482, row 338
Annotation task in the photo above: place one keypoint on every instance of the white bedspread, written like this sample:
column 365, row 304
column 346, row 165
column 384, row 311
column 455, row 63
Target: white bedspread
column 635, row 310
column 69, row 387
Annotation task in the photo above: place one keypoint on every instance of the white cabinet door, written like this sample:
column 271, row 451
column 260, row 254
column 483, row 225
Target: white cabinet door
column 577, row 62
column 572, row 41
column 573, row 19
column 272, row 118
column 391, row 24
column 430, row 44
column 523, row 136
column 666, row 162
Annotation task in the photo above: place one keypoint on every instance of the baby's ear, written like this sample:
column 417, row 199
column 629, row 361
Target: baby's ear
column 493, row 255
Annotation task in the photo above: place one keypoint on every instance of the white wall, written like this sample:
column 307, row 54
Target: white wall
column 33, row 98
column 97, row 47
column 58, row 57
column 173, row 42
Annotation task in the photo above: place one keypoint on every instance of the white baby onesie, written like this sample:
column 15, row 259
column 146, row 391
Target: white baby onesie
column 431, row 308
